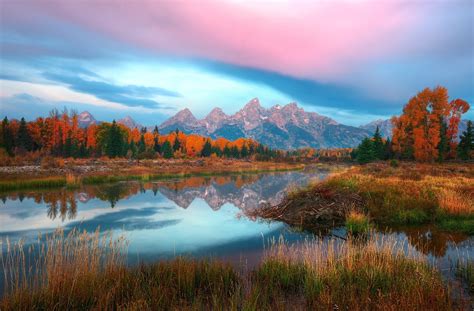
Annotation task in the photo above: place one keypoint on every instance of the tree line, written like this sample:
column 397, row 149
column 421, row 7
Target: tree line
column 426, row 131
column 60, row 135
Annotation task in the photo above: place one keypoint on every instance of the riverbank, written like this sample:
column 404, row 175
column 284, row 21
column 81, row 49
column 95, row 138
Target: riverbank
column 397, row 194
column 61, row 173
column 89, row 272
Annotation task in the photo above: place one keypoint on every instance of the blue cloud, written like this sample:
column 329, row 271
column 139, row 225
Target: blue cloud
column 30, row 107
column 306, row 91
column 129, row 95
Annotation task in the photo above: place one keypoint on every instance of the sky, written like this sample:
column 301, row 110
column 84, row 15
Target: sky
column 352, row 60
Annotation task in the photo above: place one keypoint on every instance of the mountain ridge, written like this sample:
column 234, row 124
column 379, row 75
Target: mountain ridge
column 282, row 127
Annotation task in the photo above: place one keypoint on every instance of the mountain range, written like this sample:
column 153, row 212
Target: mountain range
column 282, row 127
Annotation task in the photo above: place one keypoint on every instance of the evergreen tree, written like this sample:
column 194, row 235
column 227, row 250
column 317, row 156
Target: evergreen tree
column 215, row 150
column 133, row 150
column 244, row 152
column 251, row 149
column 388, row 151
column 443, row 146
column 354, row 154
column 7, row 139
column 75, row 148
column 24, row 140
column 156, row 145
column 207, row 149
column 141, row 145
column 365, row 151
column 227, row 152
column 176, row 144
column 378, row 145
column 114, row 146
column 235, row 153
column 167, row 150
column 466, row 143
column 67, row 147
column 60, row 147
column 82, row 151
column 155, row 131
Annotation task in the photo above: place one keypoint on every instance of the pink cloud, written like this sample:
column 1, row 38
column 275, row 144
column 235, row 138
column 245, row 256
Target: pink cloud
column 314, row 39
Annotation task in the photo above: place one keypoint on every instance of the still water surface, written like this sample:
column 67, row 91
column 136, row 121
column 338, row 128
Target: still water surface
column 196, row 216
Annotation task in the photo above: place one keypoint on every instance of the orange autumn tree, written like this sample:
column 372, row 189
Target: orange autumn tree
column 194, row 144
column 149, row 139
column 420, row 131
column 91, row 140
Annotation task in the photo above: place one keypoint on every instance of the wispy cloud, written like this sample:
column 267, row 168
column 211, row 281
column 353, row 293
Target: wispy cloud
column 129, row 95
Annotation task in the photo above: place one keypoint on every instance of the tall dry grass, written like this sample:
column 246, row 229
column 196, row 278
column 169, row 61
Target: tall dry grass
column 58, row 260
column 359, row 274
column 83, row 271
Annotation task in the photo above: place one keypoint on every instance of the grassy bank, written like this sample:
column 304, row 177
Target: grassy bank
column 410, row 194
column 82, row 271
column 144, row 173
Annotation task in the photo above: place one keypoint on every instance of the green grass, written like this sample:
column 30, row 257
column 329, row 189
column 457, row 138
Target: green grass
column 458, row 223
column 357, row 223
column 40, row 183
column 415, row 216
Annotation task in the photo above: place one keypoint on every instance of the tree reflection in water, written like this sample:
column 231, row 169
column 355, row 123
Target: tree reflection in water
column 243, row 191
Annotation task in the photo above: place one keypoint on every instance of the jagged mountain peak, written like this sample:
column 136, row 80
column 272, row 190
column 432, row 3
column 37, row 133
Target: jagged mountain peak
column 216, row 113
column 128, row 121
column 291, row 106
column 85, row 113
column 86, row 119
column 214, row 119
column 253, row 105
column 185, row 114
column 183, row 120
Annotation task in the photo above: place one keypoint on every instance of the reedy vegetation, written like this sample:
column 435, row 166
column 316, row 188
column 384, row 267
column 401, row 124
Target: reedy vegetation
column 83, row 271
column 411, row 194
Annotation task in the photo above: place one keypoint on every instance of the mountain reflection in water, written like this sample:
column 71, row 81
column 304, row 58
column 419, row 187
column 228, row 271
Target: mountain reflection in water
column 195, row 215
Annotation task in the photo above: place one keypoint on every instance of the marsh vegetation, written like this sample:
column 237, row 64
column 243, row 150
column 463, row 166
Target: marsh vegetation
column 89, row 271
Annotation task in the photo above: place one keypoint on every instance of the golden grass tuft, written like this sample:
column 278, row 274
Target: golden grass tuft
column 357, row 222
column 455, row 202
column 59, row 261
column 73, row 180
